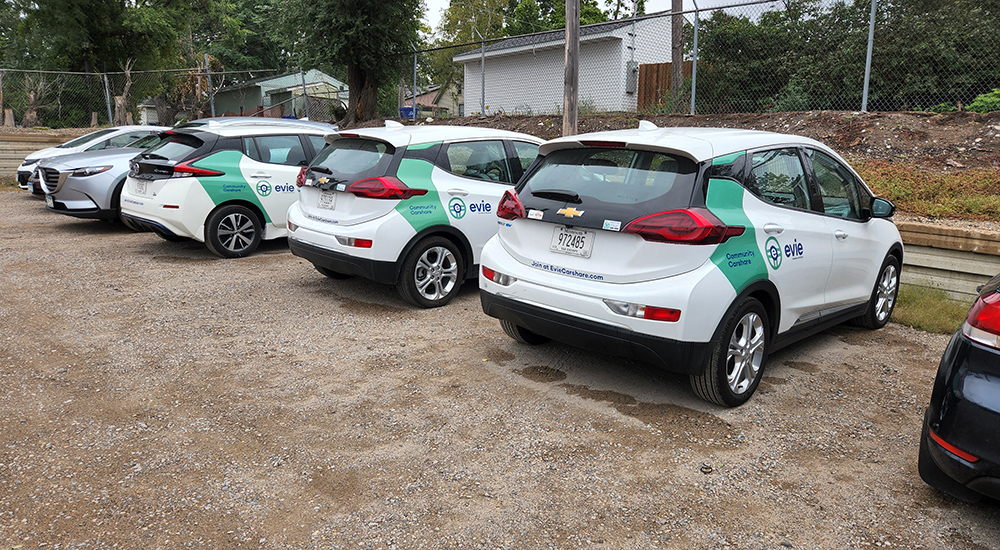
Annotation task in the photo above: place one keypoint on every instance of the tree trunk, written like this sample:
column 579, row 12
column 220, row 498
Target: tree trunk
column 362, row 102
column 119, row 111
column 166, row 111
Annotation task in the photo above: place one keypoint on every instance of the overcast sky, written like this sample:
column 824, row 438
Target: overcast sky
column 435, row 7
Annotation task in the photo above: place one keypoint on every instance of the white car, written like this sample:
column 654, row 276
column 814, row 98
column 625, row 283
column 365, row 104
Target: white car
column 700, row 250
column 108, row 138
column 406, row 205
column 228, row 185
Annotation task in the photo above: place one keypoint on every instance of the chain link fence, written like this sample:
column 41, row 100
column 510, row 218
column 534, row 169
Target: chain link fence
column 749, row 57
column 78, row 100
column 755, row 56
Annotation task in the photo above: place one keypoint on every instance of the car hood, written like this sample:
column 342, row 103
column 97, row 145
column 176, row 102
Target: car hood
column 48, row 153
column 92, row 158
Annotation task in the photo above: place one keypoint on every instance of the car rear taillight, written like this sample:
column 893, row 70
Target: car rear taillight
column 385, row 187
column 687, row 226
column 639, row 311
column 185, row 170
column 354, row 242
column 983, row 323
column 953, row 449
column 300, row 180
column 510, row 207
column 497, row 277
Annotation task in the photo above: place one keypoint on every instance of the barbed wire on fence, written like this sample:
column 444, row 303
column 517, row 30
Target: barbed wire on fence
column 751, row 56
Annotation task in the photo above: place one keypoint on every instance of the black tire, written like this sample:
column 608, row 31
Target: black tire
column 332, row 274
column 728, row 379
column 521, row 334
column 432, row 273
column 233, row 231
column 883, row 299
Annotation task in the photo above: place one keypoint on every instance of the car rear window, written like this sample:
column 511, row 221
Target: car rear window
column 353, row 159
column 617, row 184
column 174, row 147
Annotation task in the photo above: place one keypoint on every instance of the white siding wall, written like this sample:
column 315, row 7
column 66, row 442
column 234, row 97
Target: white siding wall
column 532, row 81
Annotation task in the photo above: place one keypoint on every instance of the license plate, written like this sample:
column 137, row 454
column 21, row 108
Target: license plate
column 48, row 201
column 140, row 187
column 575, row 242
column 327, row 199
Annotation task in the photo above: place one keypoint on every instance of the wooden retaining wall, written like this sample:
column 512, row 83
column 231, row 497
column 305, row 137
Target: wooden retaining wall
column 14, row 148
column 954, row 260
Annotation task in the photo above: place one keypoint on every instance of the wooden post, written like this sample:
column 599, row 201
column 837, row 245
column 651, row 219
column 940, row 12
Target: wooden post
column 572, row 81
column 8, row 118
column 93, row 120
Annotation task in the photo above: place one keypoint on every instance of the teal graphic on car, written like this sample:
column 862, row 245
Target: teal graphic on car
column 456, row 207
column 264, row 188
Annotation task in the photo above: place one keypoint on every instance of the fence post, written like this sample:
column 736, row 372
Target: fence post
column 868, row 59
column 694, row 58
column 211, row 95
column 482, row 74
column 107, row 98
column 305, row 96
column 413, row 115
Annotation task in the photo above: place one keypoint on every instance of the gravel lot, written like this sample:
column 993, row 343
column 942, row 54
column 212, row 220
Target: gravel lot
column 153, row 396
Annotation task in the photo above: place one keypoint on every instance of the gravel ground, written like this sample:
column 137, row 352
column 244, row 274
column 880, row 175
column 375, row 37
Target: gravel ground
column 153, row 396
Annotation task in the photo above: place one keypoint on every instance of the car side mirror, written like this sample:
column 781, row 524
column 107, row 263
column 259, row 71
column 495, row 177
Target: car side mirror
column 882, row 208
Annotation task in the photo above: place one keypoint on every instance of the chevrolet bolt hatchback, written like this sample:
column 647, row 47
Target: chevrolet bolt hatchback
column 699, row 250
column 410, row 206
column 228, row 185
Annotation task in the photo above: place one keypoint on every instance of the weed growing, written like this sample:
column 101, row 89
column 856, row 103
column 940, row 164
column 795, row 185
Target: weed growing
column 968, row 194
column 929, row 309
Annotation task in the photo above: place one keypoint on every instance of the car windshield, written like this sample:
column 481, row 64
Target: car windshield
column 145, row 141
column 85, row 139
column 173, row 147
column 613, row 176
column 354, row 159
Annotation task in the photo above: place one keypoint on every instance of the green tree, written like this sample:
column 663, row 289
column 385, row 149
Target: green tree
column 372, row 44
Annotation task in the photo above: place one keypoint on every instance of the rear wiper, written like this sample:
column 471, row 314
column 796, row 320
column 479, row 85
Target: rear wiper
column 557, row 195
column 148, row 156
column 322, row 170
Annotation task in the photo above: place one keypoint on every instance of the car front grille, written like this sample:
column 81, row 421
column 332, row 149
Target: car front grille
column 22, row 178
column 49, row 179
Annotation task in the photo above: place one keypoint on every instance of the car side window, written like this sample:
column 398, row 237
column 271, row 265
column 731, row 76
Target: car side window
column 285, row 150
column 526, row 153
column 318, row 143
column 777, row 176
column 836, row 185
column 482, row 160
column 125, row 139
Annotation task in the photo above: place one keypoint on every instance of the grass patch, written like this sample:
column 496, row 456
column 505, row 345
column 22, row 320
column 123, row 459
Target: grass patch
column 8, row 181
column 929, row 309
column 973, row 193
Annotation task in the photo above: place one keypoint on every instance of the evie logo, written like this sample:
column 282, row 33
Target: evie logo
column 794, row 251
column 483, row 206
column 284, row 188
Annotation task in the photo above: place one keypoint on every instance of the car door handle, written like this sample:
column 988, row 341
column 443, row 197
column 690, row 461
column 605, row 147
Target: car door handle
column 840, row 235
column 261, row 176
column 773, row 229
column 459, row 192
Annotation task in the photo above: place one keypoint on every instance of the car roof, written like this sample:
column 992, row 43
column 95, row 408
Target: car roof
column 399, row 135
column 698, row 144
column 218, row 122
column 240, row 130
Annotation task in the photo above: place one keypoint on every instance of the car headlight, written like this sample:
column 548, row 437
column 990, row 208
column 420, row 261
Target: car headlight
column 90, row 170
column 30, row 161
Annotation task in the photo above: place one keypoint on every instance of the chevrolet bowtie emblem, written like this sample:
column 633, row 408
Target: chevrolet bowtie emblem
column 570, row 212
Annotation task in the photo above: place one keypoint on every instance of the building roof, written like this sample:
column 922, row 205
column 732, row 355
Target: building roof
column 285, row 80
column 546, row 39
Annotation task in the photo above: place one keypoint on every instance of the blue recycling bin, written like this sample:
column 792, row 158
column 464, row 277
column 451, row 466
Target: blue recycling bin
column 406, row 112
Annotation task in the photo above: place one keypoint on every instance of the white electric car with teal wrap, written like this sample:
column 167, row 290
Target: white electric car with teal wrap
column 700, row 250
column 410, row 206
column 227, row 184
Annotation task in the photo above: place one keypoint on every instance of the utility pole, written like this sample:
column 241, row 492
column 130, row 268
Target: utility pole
column 676, row 54
column 571, row 86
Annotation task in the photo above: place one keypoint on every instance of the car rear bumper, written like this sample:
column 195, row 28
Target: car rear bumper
column 965, row 413
column 382, row 272
column 672, row 355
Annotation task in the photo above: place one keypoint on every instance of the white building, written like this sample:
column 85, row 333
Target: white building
column 525, row 74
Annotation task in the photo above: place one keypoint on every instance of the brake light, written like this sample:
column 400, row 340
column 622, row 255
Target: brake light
column 639, row 311
column 385, row 187
column 983, row 323
column 356, row 243
column 497, row 277
column 953, row 449
column 687, row 226
column 614, row 144
column 300, row 180
column 510, row 207
column 184, row 170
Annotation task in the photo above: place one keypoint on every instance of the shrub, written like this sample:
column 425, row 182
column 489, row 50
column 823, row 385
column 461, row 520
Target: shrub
column 986, row 103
